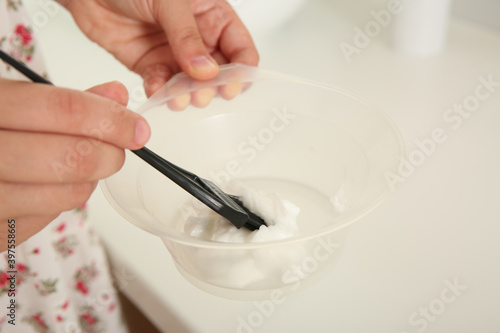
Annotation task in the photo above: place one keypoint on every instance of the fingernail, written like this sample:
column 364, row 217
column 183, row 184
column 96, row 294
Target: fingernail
column 142, row 132
column 204, row 64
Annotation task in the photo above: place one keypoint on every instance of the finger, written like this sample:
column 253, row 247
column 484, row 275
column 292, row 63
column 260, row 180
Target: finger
column 235, row 41
column 178, row 21
column 236, row 78
column 179, row 103
column 52, row 158
column 42, row 199
column 156, row 68
column 42, row 108
column 182, row 98
column 230, row 90
column 219, row 57
column 114, row 90
column 202, row 97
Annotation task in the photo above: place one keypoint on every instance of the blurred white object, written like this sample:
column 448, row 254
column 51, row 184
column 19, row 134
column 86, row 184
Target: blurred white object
column 264, row 15
column 421, row 27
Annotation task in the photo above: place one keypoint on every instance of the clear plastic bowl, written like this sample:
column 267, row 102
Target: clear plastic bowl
column 319, row 147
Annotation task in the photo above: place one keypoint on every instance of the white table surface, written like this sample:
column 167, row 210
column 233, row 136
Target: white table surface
column 440, row 227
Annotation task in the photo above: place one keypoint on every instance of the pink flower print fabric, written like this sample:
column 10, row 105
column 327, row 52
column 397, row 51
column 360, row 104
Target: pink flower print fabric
column 21, row 43
column 16, row 39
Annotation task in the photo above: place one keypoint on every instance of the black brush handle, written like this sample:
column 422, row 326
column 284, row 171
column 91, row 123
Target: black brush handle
column 23, row 69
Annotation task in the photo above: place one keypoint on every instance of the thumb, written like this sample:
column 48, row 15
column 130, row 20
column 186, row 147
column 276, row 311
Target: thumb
column 178, row 22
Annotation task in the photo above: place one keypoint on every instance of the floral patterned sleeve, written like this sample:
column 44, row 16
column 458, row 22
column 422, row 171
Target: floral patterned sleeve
column 62, row 281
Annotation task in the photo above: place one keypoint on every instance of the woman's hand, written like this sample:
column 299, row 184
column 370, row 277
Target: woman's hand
column 158, row 38
column 55, row 145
